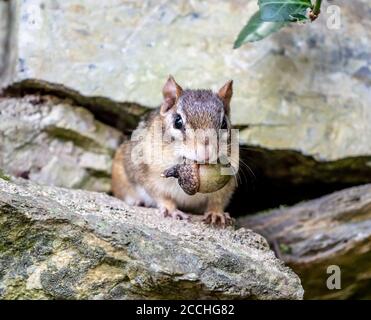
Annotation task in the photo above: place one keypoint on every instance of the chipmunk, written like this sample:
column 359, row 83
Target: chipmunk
column 181, row 112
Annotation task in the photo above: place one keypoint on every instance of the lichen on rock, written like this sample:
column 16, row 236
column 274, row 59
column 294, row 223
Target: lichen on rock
column 68, row 244
column 52, row 141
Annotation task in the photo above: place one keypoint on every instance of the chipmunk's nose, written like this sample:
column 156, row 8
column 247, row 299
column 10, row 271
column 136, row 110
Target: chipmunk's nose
column 205, row 153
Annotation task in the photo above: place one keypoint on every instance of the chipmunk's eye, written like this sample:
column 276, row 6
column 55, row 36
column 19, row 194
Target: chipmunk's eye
column 178, row 122
column 224, row 124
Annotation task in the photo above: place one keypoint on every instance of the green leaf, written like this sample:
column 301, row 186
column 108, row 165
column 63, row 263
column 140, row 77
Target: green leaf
column 283, row 10
column 256, row 29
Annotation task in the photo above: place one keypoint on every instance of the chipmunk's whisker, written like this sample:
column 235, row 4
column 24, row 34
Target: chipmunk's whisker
column 238, row 172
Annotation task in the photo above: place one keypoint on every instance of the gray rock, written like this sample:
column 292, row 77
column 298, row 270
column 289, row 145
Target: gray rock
column 71, row 244
column 305, row 88
column 52, row 142
column 4, row 33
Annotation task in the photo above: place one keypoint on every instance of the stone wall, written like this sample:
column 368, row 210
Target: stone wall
column 304, row 88
column 75, row 78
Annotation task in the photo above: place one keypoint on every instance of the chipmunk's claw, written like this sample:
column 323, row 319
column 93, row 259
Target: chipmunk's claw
column 176, row 214
column 218, row 219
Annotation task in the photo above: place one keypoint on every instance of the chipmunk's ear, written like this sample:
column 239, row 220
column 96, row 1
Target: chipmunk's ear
column 225, row 94
column 171, row 91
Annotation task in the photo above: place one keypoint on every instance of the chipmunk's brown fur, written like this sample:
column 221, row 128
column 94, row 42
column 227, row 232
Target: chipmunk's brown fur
column 139, row 183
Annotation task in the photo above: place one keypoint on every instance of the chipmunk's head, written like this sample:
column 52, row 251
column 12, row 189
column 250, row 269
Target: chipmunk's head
column 196, row 120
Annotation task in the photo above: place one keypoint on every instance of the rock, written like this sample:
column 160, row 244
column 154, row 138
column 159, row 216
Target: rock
column 50, row 141
column 305, row 88
column 313, row 235
column 69, row 244
column 4, row 33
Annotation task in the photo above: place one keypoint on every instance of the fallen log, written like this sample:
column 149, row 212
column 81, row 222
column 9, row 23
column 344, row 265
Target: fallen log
column 312, row 236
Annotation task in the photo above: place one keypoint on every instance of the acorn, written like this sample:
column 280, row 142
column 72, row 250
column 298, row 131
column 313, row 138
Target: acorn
column 193, row 177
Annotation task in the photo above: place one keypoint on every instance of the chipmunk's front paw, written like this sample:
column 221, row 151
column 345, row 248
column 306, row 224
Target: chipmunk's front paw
column 176, row 214
column 219, row 219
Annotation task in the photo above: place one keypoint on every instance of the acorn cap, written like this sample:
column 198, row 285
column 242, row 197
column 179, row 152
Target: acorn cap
column 193, row 178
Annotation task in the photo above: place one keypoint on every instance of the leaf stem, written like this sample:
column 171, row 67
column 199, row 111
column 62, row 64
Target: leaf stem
column 316, row 9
